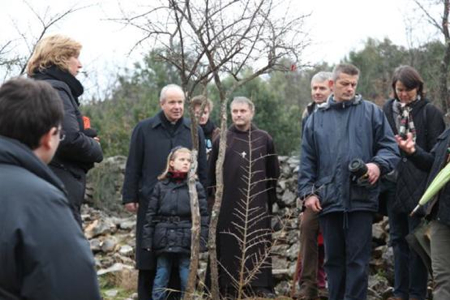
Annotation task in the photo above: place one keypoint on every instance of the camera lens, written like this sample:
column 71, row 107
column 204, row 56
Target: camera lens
column 357, row 167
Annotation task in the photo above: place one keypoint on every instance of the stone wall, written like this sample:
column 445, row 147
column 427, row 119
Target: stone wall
column 110, row 230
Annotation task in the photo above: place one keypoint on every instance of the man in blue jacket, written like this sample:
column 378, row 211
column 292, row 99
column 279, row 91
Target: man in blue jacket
column 43, row 252
column 345, row 128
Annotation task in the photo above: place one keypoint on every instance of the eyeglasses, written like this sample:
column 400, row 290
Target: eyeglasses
column 60, row 131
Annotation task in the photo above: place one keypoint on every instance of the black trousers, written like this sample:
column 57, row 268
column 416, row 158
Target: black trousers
column 75, row 184
column 348, row 245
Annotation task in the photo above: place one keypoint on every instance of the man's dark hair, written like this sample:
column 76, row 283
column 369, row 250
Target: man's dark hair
column 410, row 78
column 28, row 110
column 348, row 69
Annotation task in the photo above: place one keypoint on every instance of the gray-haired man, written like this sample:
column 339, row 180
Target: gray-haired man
column 151, row 142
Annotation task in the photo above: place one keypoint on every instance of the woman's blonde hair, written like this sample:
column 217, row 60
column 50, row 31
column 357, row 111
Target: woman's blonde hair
column 172, row 155
column 53, row 50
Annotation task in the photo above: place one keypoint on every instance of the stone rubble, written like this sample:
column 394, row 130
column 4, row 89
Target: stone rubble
column 111, row 234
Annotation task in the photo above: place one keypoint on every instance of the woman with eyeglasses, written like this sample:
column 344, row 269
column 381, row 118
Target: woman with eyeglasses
column 409, row 113
column 56, row 61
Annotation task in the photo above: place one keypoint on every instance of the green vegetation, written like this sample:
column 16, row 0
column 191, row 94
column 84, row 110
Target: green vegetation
column 280, row 97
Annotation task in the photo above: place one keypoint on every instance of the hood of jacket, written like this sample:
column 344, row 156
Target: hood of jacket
column 333, row 104
column 12, row 152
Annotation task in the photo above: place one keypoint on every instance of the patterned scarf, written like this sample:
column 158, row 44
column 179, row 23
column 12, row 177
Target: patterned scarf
column 404, row 122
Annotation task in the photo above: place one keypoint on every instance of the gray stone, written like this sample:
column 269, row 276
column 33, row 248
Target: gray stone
column 127, row 225
column 379, row 234
column 293, row 160
column 282, row 184
column 292, row 253
column 116, row 236
column 109, row 245
column 95, row 245
column 126, row 250
column 111, row 293
column 99, row 227
column 115, row 268
column 289, row 198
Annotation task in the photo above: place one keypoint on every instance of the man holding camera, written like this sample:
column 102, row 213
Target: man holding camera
column 342, row 130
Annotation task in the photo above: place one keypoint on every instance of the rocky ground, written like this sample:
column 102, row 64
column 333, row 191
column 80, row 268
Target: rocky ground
column 112, row 237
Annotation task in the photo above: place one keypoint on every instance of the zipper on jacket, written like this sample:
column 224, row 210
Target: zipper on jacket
column 345, row 221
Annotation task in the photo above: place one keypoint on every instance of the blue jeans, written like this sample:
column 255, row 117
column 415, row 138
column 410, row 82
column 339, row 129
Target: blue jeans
column 411, row 274
column 348, row 245
column 163, row 267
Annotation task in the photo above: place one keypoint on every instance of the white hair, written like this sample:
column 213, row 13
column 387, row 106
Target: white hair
column 321, row 77
column 164, row 90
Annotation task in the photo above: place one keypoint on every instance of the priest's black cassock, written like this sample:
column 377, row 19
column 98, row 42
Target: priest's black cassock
column 242, row 156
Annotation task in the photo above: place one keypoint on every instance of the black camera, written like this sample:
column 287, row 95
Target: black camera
column 358, row 171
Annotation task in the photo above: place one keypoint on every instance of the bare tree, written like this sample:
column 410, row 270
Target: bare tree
column 441, row 24
column 14, row 63
column 208, row 39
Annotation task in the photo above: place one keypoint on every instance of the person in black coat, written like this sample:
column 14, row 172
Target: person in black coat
column 167, row 231
column 409, row 112
column 437, row 209
column 210, row 130
column 43, row 252
column 55, row 60
column 151, row 142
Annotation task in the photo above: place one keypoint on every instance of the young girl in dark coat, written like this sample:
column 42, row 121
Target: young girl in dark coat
column 167, row 231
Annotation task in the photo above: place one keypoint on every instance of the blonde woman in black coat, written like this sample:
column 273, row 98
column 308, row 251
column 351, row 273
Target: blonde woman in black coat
column 55, row 60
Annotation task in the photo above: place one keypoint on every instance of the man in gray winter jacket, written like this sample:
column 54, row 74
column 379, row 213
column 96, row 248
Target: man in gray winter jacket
column 342, row 130
column 43, row 252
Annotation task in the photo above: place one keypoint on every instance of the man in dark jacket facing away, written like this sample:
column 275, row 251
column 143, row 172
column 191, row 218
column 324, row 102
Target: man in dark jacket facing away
column 345, row 128
column 151, row 143
column 43, row 253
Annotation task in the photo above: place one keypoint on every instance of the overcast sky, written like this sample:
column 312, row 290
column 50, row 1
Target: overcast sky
column 335, row 27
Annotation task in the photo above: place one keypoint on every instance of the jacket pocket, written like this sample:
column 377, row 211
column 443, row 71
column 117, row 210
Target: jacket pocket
column 186, row 239
column 363, row 192
column 160, row 237
column 324, row 189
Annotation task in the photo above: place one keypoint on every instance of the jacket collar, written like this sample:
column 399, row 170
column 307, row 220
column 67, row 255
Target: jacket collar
column 167, row 181
column 158, row 121
column 233, row 128
column 331, row 103
column 12, row 152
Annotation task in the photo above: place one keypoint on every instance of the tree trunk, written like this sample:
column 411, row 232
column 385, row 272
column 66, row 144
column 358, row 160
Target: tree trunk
column 196, row 226
column 444, row 68
column 215, row 293
column 195, row 211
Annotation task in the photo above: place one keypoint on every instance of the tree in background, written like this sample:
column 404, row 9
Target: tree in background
column 13, row 59
column 134, row 98
column 377, row 61
column 440, row 22
column 205, row 40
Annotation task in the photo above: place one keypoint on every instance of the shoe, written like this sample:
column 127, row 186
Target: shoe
column 323, row 293
column 308, row 298
column 264, row 293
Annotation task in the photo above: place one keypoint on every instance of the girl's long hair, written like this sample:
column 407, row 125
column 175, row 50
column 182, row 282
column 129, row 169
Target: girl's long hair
column 170, row 157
